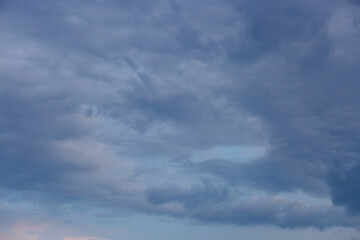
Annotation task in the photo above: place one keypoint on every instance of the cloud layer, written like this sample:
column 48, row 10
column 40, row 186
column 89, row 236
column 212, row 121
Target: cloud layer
column 157, row 108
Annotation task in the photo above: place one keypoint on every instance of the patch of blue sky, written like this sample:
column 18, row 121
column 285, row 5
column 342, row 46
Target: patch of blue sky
column 232, row 153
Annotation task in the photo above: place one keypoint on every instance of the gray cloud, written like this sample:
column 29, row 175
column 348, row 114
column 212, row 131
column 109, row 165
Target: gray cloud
column 98, row 101
column 216, row 205
column 354, row 1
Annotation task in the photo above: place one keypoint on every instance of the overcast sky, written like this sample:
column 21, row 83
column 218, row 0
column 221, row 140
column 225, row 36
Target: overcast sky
column 177, row 119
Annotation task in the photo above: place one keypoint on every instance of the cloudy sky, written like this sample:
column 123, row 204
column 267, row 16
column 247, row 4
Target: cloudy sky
column 177, row 119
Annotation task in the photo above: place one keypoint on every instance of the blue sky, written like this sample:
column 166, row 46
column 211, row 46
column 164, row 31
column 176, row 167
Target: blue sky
column 129, row 120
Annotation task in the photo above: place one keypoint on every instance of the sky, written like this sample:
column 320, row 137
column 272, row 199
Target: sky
column 169, row 119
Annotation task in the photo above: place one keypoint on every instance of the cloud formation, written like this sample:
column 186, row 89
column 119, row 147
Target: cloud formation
column 122, row 104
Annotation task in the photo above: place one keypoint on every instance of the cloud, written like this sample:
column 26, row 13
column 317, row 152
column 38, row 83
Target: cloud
column 36, row 231
column 110, row 104
column 24, row 231
column 354, row 1
column 83, row 238
column 215, row 204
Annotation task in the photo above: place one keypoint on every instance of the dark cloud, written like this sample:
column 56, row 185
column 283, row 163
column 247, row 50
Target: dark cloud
column 97, row 100
column 344, row 191
column 354, row 1
column 274, row 25
column 214, row 204
column 30, row 125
